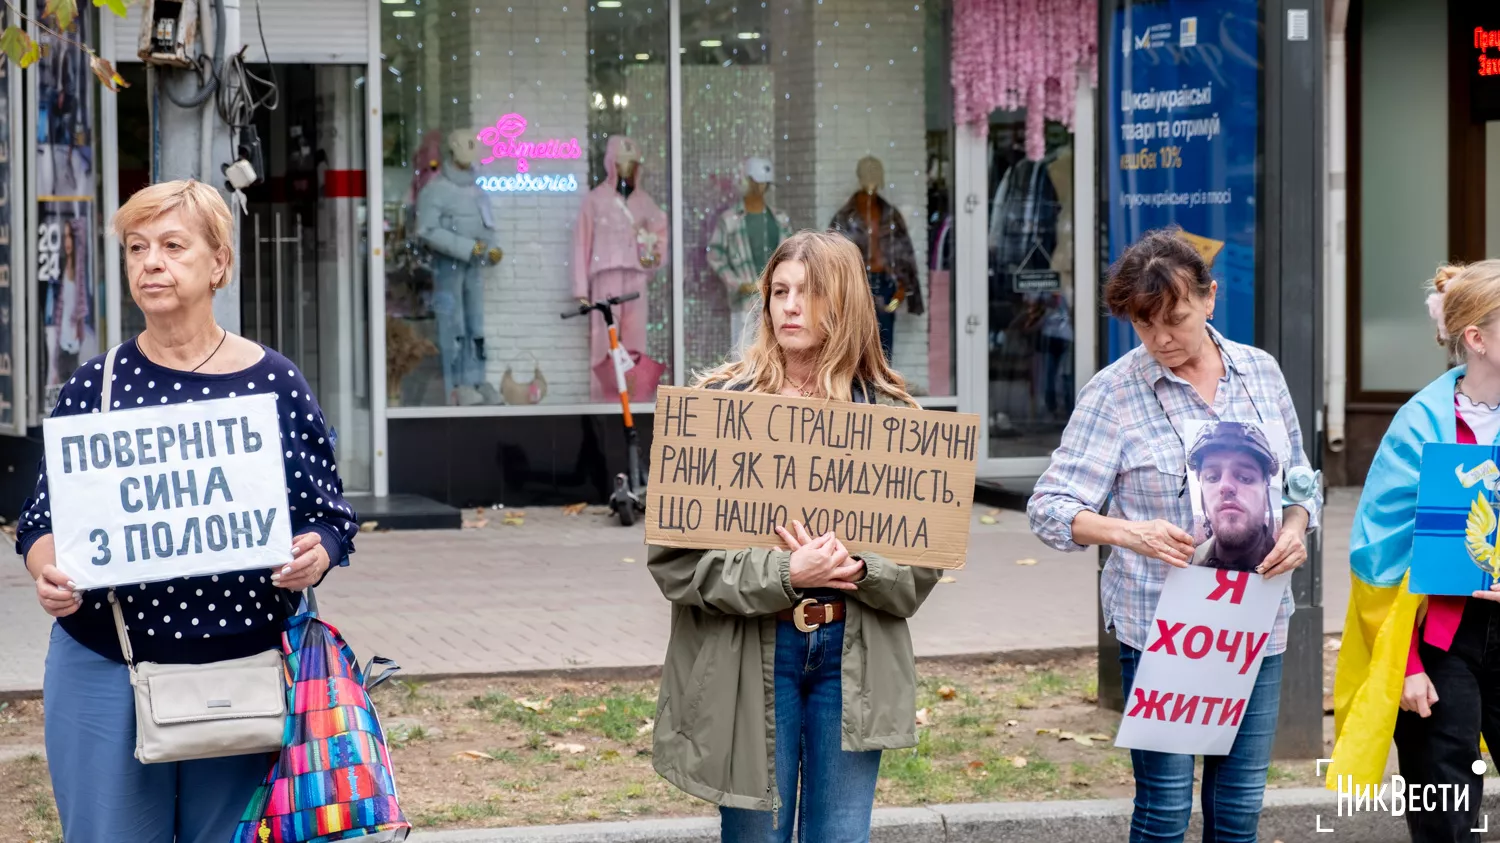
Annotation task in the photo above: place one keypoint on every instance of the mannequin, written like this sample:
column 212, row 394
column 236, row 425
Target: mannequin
column 1057, row 326
column 879, row 231
column 745, row 236
column 620, row 242
column 455, row 221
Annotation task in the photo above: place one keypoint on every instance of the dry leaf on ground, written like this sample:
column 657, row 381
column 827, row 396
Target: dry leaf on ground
column 1018, row 762
column 987, row 519
column 1052, row 732
column 976, row 770
column 590, row 712
column 513, row 521
column 1027, row 562
column 947, row 579
column 629, row 560
column 1012, row 723
column 1100, row 737
column 534, row 705
column 924, row 717
column 947, row 692
column 646, row 729
column 369, row 526
column 1081, row 740
column 570, row 748
column 1332, row 645
column 473, row 755
column 575, row 508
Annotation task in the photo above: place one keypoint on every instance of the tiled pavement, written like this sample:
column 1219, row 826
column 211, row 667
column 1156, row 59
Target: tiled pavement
column 557, row 593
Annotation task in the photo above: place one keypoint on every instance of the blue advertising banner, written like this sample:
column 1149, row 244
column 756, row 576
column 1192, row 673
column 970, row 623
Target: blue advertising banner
column 1184, row 142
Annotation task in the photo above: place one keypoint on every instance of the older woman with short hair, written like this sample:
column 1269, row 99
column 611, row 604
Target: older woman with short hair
column 1125, row 445
column 178, row 255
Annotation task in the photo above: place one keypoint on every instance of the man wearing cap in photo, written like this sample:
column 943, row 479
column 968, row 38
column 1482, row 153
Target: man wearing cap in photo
column 743, row 240
column 1235, row 465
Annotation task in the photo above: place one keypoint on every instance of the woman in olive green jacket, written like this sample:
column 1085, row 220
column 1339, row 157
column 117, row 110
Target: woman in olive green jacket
column 797, row 660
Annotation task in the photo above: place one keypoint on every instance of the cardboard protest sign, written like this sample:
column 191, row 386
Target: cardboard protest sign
column 158, row 493
column 1205, row 648
column 727, row 468
column 1458, row 495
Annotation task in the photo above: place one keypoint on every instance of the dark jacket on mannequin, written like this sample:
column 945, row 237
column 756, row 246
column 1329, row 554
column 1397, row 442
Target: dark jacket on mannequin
column 895, row 245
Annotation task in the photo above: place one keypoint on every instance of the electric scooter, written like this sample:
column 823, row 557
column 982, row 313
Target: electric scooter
column 629, row 498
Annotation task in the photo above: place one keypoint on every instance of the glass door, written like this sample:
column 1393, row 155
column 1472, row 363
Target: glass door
column 1026, row 317
column 303, row 285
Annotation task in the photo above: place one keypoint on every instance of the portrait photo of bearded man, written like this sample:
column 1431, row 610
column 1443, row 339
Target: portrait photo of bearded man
column 1237, row 476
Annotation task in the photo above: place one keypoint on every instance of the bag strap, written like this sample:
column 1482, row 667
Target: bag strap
column 107, row 385
column 114, row 606
column 106, row 389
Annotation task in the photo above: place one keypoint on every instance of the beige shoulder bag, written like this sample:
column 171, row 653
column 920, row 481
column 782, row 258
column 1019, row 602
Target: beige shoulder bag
column 185, row 712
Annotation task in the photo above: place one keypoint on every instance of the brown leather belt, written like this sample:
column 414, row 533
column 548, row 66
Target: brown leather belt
column 810, row 614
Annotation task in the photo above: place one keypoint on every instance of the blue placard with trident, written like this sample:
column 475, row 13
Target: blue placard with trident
column 1456, row 549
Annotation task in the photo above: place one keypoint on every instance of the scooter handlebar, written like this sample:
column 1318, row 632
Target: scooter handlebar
column 583, row 309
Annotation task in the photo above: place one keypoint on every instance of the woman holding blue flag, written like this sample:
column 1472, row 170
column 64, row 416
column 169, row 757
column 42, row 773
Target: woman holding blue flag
column 1424, row 669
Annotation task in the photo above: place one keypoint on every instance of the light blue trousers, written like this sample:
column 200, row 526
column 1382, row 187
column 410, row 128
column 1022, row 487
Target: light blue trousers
column 103, row 794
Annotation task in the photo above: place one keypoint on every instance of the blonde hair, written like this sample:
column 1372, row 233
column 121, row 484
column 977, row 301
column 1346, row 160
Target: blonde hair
column 200, row 205
column 839, row 301
column 1463, row 296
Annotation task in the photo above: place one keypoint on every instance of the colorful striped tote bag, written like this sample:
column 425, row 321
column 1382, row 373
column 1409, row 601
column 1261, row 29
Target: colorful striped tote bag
column 333, row 780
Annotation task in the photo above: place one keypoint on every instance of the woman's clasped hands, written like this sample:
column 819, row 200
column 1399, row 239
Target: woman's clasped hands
column 821, row 562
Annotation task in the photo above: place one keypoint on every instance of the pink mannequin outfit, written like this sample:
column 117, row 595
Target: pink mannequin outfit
column 607, row 250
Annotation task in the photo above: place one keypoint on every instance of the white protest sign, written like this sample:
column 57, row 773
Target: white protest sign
column 1205, row 647
column 163, row 492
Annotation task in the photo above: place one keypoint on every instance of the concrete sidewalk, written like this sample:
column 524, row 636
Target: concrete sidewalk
column 1289, row 815
column 560, row 593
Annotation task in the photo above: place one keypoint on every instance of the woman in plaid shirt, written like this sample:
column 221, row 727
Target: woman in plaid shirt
column 1124, row 445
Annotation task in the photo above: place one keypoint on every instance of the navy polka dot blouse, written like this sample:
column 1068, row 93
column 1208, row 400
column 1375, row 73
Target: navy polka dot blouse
column 194, row 620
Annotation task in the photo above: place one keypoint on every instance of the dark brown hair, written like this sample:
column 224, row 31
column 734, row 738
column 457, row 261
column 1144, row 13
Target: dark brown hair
column 1154, row 274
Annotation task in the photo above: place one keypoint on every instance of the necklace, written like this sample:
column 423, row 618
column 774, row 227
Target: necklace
column 222, row 337
column 801, row 388
column 1472, row 400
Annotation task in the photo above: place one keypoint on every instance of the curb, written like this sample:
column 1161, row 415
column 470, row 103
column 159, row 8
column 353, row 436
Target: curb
column 1294, row 814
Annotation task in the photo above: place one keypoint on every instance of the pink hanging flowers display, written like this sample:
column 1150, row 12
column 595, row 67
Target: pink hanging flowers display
column 1015, row 54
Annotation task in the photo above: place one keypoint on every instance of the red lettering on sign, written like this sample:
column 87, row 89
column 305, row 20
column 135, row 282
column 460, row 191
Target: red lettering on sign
column 1209, row 704
column 1231, row 648
column 1230, row 582
column 1156, row 702
column 1166, row 640
column 1235, row 711
column 1193, row 651
column 1184, row 708
column 1252, row 649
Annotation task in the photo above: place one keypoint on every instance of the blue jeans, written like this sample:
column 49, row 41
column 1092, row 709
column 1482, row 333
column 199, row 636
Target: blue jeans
column 883, row 288
column 1233, row 784
column 838, row 788
column 458, row 303
column 103, row 794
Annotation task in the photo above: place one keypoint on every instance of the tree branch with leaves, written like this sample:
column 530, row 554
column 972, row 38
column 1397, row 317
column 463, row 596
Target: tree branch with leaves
column 18, row 46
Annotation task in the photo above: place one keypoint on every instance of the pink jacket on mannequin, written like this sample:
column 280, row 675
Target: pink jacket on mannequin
column 605, row 237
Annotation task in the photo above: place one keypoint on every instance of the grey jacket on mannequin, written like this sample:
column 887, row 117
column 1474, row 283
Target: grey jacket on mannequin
column 453, row 214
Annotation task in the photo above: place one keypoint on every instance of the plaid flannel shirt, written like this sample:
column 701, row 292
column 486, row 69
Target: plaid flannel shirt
column 1120, row 447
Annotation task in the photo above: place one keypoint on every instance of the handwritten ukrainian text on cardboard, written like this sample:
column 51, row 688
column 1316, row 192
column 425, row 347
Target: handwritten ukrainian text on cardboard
column 728, row 468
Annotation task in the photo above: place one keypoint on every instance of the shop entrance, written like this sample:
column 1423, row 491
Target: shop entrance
column 304, row 286
column 1028, row 313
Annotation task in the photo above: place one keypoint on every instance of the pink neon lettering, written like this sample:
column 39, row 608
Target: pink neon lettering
column 501, row 139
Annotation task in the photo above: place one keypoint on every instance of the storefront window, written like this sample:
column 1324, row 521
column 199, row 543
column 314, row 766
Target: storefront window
column 1031, row 283
column 799, row 116
column 526, row 165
